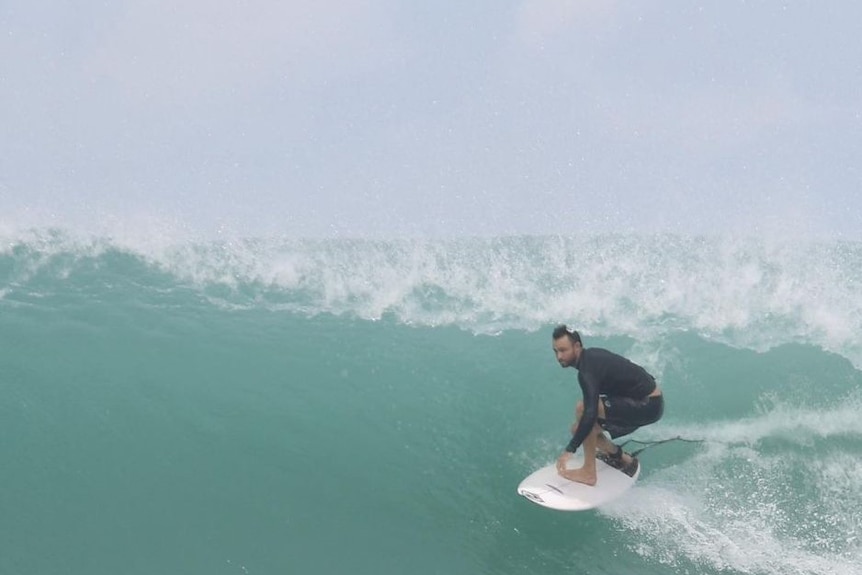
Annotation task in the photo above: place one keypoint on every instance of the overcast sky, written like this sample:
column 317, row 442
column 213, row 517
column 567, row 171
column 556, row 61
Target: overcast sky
column 377, row 117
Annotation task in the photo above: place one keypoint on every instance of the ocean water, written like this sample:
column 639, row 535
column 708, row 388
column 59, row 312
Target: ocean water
column 274, row 406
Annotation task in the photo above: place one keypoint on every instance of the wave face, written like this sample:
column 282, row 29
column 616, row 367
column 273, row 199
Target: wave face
column 286, row 406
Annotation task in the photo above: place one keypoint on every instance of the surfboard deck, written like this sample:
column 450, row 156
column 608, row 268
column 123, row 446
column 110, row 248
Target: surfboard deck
column 547, row 488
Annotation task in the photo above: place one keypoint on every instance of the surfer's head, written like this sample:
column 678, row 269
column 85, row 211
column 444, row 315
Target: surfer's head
column 567, row 345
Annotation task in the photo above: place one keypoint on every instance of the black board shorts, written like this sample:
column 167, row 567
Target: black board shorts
column 623, row 415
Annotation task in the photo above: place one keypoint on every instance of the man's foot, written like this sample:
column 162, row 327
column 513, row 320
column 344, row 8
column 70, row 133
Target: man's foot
column 580, row 475
column 632, row 467
column 620, row 460
column 614, row 459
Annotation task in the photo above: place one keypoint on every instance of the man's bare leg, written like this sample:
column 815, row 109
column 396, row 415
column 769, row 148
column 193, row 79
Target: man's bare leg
column 604, row 444
column 587, row 473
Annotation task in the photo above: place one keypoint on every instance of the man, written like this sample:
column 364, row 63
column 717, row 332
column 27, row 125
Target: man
column 618, row 396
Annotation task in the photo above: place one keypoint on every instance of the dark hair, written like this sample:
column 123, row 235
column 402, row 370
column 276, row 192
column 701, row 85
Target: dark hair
column 563, row 330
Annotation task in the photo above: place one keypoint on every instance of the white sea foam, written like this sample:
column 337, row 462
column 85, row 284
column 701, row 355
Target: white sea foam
column 677, row 529
column 745, row 292
column 738, row 506
column 790, row 423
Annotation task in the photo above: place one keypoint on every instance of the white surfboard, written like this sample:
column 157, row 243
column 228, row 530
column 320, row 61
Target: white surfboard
column 547, row 488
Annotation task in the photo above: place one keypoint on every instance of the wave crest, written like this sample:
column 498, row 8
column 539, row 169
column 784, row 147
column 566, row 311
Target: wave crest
column 743, row 291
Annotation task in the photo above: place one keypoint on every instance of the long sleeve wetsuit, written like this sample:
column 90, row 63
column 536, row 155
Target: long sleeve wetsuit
column 601, row 372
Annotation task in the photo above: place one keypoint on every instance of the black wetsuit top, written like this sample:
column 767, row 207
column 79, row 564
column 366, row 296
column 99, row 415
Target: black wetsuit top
column 601, row 372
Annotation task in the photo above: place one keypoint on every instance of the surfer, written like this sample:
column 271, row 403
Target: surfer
column 619, row 396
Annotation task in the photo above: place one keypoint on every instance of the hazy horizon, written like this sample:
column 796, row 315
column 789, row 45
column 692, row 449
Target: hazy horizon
column 379, row 118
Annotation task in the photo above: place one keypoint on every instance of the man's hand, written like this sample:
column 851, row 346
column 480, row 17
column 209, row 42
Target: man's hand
column 562, row 460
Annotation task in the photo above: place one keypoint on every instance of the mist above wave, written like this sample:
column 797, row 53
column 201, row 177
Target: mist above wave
column 745, row 291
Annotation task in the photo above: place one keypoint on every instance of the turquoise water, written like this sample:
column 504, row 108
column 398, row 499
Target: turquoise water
column 281, row 406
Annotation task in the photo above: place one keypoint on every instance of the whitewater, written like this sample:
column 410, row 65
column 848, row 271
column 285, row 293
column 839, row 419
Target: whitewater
column 276, row 405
